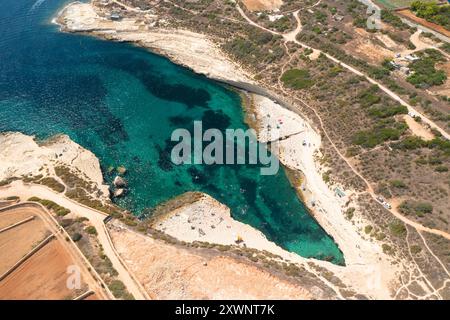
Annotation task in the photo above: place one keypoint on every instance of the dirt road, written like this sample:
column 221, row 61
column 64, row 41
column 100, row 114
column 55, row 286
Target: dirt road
column 95, row 217
column 291, row 37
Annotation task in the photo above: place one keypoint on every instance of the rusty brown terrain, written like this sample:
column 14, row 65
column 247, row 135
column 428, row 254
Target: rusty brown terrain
column 33, row 264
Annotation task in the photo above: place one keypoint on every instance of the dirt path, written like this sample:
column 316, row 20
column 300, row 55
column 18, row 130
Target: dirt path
column 95, row 217
column 290, row 37
column 370, row 190
column 133, row 9
column 258, row 5
column 418, row 129
column 69, row 250
column 408, row 14
column 421, row 45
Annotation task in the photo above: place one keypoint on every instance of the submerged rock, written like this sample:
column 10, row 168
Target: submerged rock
column 121, row 170
column 119, row 192
column 119, row 182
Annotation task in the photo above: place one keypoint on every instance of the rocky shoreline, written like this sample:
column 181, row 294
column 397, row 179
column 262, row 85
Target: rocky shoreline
column 23, row 157
column 201, row 55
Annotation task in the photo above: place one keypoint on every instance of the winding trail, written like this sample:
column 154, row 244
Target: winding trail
column 95, row 218
column 291, row 37
column 421, row 45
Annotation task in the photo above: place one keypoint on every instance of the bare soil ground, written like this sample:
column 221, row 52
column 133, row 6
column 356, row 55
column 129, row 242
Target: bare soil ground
column 12, row 216
column 170, row 272
column 256, row 5
column 411, row 16
column 17, row 242
column 42, row 276
column 418, row 129
column 365, row 48
column 5, row 203
column 445, row 88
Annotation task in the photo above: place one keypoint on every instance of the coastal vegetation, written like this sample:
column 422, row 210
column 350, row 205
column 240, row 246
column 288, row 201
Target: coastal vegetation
column 73, row 180
column 297, row 79
column 419, row 208
column 91, row 230
column 252, row 49
column 281, row 25
column 397, row 228
column 383, row 131
column 7, row 181
column 52, row 206
column 424, row 70
column 85, row 238
column 364, row 113
column 53, row 184
column 432, row 12
column 389, row 17
column 119, row 290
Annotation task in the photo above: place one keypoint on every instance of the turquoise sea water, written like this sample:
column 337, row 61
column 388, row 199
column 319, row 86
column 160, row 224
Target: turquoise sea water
column 122, row 103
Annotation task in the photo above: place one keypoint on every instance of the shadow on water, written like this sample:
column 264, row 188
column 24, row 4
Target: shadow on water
column 123, row 103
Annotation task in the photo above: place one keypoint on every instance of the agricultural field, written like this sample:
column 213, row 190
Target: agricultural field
column 42, row 276
column 33, row 264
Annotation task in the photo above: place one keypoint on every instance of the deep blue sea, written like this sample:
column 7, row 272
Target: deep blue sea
column 122, row 103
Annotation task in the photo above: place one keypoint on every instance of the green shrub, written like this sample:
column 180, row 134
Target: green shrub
column 297, row 79
column 383, row 131
column 390, row 18
column 349, row 213
column 281, row 25
column 385, row 112
column 410, row 143
column 369, row 96
column 60, row 212
column 117, row 288
column 419, row 208
column 53, row 184
column 398, row 184
column 397, row 228
column 76, row 237
column 431, row 11
column 91, row 230
column 446, row 47
column 425, row 74
column 423, row 207
column 441, row 169
column 415, row 249
column 386, row 248
column 52, row 206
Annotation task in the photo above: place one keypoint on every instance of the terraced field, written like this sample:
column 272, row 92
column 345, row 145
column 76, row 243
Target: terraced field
column 34, row 259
